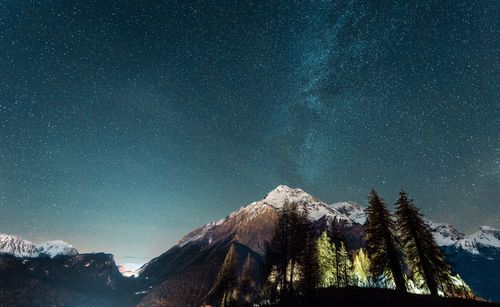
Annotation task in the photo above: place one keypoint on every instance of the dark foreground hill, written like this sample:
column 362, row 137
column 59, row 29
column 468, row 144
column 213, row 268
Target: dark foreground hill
column 78, row 280
column 375, row 297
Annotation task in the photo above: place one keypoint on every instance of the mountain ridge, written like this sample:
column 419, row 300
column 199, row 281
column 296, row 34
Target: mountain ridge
column 13, row 245
column 349, row 211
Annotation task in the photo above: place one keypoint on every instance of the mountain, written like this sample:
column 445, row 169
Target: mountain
column 66, row 280
column 253, row 225
column 53, row 273
column 485, row 237
column 20, row 248
column 445, row 234
column 185, row 274
column 56, row 248
column 352, row 210
column 17, row 247
column 477, row 258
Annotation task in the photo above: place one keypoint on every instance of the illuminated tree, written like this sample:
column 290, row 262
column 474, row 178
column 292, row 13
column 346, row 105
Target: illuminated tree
column 325, row 253
column 361, row 269
column 344, row 266
column 381, row 243
column 335, row 234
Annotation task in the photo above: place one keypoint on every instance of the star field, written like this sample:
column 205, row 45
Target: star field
column 126, row 124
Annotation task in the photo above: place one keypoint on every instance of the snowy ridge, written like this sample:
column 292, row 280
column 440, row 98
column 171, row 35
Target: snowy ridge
column 12, row 245
column 200, row 233
column 55, row 248
column 17, row 247
column 485, row 237
column 348, row 212
column 317, row 209
column 273, row 201
column 352, row 210
column 444, row 234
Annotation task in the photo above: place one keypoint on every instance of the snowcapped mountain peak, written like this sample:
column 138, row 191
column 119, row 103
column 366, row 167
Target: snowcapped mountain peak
column 486, row 236
column 55, row 248
column 283, row 193
column 316, row 208
column 352, row 210
column 17, row 247
column 13, row 245
column 242, row 224
column 262, row 214
column 444, row 234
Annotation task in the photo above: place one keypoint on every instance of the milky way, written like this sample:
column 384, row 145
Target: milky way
column 125, row 125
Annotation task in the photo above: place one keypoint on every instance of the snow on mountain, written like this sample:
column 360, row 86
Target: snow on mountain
column 239, row 222
column 55, row 248
column 352, row 210
column 485, row 237
column 444, row 234
column 316, row 208
column 17, row 247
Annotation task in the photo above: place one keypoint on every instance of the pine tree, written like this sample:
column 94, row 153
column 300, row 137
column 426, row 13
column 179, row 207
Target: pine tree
column 335, row 237
column 290, row 257
column 345, row 266
column 325, row 254
column 278, row 251
column 423, row 255
column 361, row 269
column 305, row 235
column 381, row 242
column 296, row 242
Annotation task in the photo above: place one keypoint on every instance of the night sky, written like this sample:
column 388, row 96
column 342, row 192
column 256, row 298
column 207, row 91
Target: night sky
column 125, row 125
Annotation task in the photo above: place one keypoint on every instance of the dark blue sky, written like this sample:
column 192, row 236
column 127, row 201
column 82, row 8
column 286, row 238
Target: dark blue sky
column 126, row 124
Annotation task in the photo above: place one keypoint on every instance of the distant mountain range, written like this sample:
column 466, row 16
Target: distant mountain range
column 15, row 246
column 444, row 234
column 185, row 274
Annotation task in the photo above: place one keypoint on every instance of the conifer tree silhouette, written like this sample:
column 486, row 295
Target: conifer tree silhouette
column 381, row 242
column 424, row 257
